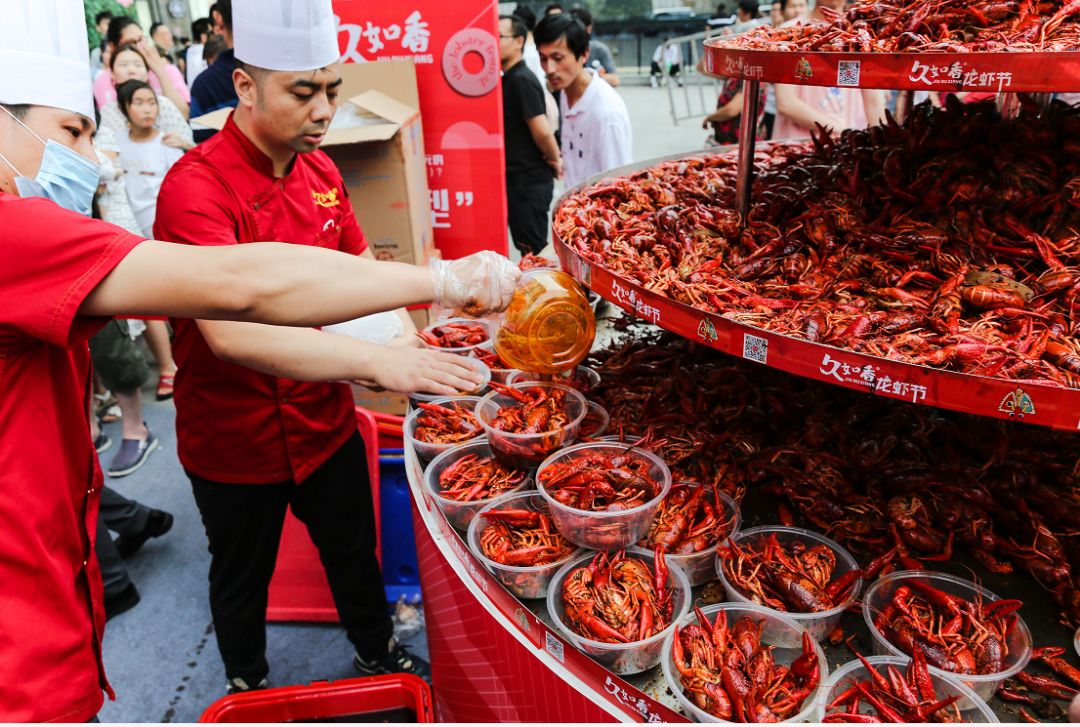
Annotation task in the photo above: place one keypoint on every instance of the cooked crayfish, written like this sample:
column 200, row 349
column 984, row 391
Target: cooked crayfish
column 447, row 423
column 531, row 261
column 788, row 576
column 538, row 409
column 618, row 598
column 690, row 519
column 954, row 634
column 901, row 697
column 727, row 672
column 601, row 481
column 523, row 538
column 455, row 335
column 473, row 477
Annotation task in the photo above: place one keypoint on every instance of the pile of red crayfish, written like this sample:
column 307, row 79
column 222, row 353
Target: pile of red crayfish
column 489, row 358
column 455, row 335
column 690, row 519
column 853, row 465
column 1017, row 688
column 601, row 481
column 949, row 242
column 727, row 672
column 956, row 26
column 477, row 478
column 954, row 634
column 538, row 409
column 901, row 697
column 522, row 537
column 618, row 599
column 791, row 576
column 531, row 262
column 593, row 425
column 447, row 423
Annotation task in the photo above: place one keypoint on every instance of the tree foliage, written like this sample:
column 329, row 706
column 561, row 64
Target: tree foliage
column 93, row 7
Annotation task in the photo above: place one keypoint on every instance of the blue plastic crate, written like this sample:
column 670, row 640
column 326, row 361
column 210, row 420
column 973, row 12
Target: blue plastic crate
column 401, row 574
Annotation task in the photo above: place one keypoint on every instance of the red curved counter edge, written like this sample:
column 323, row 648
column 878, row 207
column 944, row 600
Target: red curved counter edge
column 1049, row 406
column 492, row 659
column 998, row 72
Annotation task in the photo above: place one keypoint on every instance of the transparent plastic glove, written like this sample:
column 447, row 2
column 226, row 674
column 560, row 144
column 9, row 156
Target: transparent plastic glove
column 480, row 283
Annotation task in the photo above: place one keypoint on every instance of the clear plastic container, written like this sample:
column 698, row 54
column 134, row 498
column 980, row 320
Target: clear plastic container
column 427, row 451
column 595, row 423
column 458, row 513
column 605, row 530
column 778, row 631
column 819, row 624
column 522, row 581
column 972, row 707
column 636, row 656
column 485, row 372
column 1076, row 641
column 1018, row 643
column 582, row 378
column 700, row 567
column 549, row 326
column 529, row 450
column 489, row 329
column 499, row 374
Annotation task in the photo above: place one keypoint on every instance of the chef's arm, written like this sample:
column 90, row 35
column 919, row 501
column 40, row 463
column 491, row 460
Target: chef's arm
column 306, row 354
column 408, row 337
column 290, row 285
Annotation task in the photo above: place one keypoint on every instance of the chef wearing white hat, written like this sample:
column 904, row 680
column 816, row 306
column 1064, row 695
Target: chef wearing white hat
column 262, row 421
column 62, row 273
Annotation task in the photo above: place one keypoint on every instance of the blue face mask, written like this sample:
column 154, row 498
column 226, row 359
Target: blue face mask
column 66, row 177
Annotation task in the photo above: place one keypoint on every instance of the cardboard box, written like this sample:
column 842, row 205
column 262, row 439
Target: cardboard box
column 376, row 140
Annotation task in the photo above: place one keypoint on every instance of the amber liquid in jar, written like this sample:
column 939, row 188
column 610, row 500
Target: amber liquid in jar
column 549, row 325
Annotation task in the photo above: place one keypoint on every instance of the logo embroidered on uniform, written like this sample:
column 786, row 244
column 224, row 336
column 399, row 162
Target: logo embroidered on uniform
column 326, row 199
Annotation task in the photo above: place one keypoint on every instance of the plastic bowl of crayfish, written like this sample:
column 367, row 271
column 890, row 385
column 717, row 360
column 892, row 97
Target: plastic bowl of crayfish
column 1017, row 642
column 620, row 658
column 613, row 523
column 416, row 397
column 458, row 335
column 462, row 490
column 903, row 689
column 519, row 534
column 500, row 370
column 524, row 449
column 820, row 623
column 776, row 638
column 691, row 526
column 431, row 431
column 582, row 378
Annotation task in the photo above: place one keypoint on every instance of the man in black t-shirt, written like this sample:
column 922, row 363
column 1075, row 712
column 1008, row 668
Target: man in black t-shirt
column 532, row 154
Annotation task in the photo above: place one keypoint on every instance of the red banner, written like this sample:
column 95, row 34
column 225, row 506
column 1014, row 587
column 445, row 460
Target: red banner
column 456, row 50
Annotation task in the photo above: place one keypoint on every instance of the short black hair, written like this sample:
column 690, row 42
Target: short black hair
column 199, row 28
column 155, row 26
column 215, row 46
column 126, row 47
column 750, row 7
column 125, row 92
column 517, row 26
column 527, row 16
column 563, row 25
column 103, row 15
column 557, row 7
column 18, row 110
column 116, row 29
column 224, row 8
column 582, row 13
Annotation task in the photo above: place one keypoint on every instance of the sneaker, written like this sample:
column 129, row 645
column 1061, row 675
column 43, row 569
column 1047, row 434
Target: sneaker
column 102, row 442
column 125, row 600
column 103, row 401
column 653, row 83
column 132, row 455
column 398, row 660
column 110, row 414
column 158, row 523
column 238, row 684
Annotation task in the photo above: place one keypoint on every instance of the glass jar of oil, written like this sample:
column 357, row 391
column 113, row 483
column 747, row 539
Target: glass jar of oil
column 549, row 325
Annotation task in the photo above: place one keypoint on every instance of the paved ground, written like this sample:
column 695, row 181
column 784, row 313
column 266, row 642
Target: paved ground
column 161, row 656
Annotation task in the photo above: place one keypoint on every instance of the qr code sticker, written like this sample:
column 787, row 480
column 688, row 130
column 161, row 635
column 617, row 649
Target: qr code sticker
column 848, row 73
column 755, row 349
column 553, row 646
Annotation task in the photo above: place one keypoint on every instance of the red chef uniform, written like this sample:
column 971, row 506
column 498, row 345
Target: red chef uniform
column 52, row 612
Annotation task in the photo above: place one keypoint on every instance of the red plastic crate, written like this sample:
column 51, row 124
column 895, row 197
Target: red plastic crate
column 348, row 700
column 299, row 590
column 390, row 430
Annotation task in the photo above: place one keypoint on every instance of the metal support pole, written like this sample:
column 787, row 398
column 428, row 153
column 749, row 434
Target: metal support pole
column 905, row 101
column 747, row 142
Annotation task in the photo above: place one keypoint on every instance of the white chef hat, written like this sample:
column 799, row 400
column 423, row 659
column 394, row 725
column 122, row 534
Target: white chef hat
column 44, row 58
column 285, row 35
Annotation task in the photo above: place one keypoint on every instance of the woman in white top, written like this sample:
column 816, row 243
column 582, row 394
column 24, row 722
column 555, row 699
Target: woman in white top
column 126, row 64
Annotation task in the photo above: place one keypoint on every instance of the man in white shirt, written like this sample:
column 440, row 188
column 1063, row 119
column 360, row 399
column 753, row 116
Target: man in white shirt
column 596, row 133
column 194, row 61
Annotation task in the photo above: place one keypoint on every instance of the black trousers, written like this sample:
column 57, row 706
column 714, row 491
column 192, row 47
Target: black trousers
column 243, row 525
column 124, row 517
column 527, row 207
